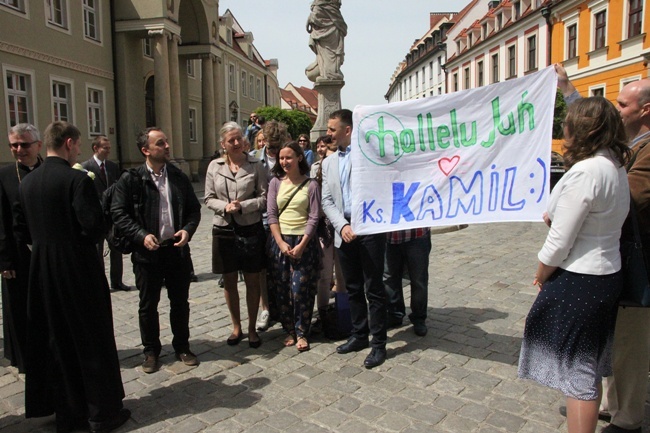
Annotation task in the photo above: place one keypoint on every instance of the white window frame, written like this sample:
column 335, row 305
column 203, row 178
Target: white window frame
column 626, row 19
column 527, row 59
column 64, row 25
column 596, row 87
column 595, row 8
column 251, row 86
column 243, row 81
column 96, row 11
column 258, row 89
column 192, row 124
column 516, row 60
column 29, row 93
column 232, row 83
column 568, row 23
column 628, row 80
column 69, row 84
column 21, row 9
column 147, row 49
column 190, row 68
column 101, row 106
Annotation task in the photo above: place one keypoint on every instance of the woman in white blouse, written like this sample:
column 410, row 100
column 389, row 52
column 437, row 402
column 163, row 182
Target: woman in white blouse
column 570, row 327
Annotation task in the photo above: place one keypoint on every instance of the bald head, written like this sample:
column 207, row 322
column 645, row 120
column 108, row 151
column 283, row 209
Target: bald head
column 634, row 105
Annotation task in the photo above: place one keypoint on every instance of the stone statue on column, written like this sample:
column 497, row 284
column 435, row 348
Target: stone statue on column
column 327, row 30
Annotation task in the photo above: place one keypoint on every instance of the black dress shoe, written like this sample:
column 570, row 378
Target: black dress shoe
column 121, row 286
column 616, row 429
column 420, row 329
column 352, row 345
column 65, row 424
column 194, row 278
column 376, row 357
column 235, row 341
column 110, row 424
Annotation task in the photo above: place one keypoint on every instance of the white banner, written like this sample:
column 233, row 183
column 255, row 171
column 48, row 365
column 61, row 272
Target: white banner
column 474, row 156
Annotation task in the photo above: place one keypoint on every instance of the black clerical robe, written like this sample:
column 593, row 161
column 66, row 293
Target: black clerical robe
column 14, row 256
column 72, row 367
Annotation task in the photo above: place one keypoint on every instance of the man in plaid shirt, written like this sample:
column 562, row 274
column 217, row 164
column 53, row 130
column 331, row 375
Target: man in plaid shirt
column 407, row 250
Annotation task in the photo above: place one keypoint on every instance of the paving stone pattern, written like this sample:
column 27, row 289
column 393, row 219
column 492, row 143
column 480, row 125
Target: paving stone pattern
column 461, row 377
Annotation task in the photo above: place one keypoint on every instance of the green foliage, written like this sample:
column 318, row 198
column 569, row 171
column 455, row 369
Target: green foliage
column 558, row 115
column 297, row 122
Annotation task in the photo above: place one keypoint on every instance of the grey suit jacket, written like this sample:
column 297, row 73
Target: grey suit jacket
column 332, row 200
column 112, row 174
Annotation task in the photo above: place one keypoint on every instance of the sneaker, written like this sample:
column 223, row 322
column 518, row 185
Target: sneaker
column 150, row 364
column 262, row 323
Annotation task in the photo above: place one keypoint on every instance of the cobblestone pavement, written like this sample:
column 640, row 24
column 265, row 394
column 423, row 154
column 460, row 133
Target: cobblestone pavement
column 461, row 377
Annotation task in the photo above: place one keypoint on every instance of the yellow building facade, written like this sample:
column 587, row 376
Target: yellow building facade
column 602, row 44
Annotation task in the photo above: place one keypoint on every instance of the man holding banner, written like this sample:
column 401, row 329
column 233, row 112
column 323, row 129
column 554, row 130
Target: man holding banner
column 362, row 257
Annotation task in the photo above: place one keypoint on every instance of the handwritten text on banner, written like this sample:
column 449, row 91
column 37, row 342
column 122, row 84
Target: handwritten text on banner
column 474, row 156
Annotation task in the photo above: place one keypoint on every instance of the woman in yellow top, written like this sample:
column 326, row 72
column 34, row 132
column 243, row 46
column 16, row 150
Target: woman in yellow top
column 293, row 205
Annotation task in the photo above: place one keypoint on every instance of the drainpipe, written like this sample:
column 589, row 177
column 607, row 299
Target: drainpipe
column 546, row 13
column 117, row 142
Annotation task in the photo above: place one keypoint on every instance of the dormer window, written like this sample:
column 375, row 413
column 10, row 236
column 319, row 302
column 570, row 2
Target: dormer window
column 229, row 37
column 499, row 21
column 516, row 10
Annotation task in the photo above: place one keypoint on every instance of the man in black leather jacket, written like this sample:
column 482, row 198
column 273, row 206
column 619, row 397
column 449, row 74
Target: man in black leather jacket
column 158, row 210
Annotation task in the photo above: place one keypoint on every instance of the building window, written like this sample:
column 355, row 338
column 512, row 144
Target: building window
column 61, row 102
column 18, row 5
column 466, row 73
column 251, row 86
column 192, row 120
column 430, row 74
column 19, row 98
column 635, row 14
column 499, row 21
column 95, row 111
column 258, row 89
column 572, row 41
column 57, row 13
column 243, row 83
column 417, row 82
column 600, row 30
column 455, row 82
column 410, row 86
column 146, row 48
column 423, row 77
column 532, row 52
column 231, row 77
column 190, row 68
column 512, row 61
column 91, row 19
column 479, row 70
column 517, row 9
column 495, row 68
column 597, row 91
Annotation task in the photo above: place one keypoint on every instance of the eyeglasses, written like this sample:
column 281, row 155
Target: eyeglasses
column 23, row 145
column 302, row 140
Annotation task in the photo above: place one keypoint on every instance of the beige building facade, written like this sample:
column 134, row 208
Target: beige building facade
column 115, row 67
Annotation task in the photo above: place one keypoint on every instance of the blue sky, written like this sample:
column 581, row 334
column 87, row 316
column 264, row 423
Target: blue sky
column 380, row 33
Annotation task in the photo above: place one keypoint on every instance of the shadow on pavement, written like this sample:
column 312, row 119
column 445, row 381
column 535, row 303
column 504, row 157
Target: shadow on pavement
column 456, row 330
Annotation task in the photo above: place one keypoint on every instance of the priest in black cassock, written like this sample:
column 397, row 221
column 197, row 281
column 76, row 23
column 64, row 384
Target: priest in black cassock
column 25, row 145
column 72, row 368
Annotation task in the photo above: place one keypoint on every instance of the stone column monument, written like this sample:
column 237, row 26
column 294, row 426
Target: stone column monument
column 327, row 30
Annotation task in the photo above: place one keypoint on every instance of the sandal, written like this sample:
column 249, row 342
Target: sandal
column 290, row 340
column 302, row 345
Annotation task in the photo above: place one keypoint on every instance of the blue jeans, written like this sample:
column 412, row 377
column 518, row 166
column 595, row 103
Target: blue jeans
column 362, row 262
column 413, row 254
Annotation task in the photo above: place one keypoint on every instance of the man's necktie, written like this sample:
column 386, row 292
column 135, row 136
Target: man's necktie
column 102, row 173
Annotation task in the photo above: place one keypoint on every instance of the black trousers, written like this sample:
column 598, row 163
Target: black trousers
column 116, row 264
column 362, row 262
column 173, row 268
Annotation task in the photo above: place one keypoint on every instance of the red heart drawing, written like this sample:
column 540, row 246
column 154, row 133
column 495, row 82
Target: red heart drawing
column 448, row 164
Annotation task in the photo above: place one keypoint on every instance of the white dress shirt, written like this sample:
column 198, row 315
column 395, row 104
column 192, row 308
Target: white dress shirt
column 587, row 208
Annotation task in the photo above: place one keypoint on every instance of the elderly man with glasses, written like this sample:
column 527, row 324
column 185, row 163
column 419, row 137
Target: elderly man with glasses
column 25, row 145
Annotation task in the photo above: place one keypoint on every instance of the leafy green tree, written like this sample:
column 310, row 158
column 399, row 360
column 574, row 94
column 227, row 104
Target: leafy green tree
column 297, row 122
column 558, row 115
